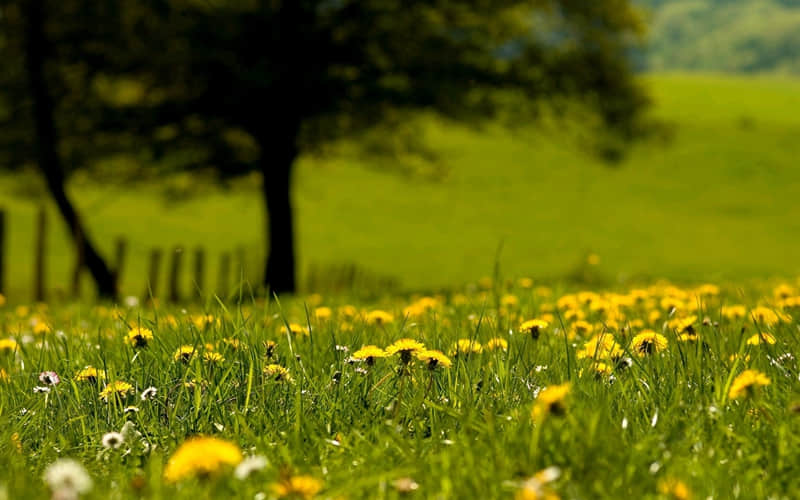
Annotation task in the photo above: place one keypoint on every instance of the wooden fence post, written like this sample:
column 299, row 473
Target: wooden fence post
column 199, row 270
column 223, row 283
column 174, row 274
column 151, row 291
column 39, row 248
column 2, row 249
column 120, row 248
column 79, row 263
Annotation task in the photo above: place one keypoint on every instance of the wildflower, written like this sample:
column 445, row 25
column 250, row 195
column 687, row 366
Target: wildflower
column 112, row 440
column 509, row 301
column 305, row 487
column 7, row 346
column 601, row 346
column 434, row 358
column 149, row 393
column 648, row 342
column 40, row 389
column 405, row 347
column 277, row 373
column 116, row 389
column 535, row 487
column 581, row 328
column 250, row 465
column 184, row 353
column 139, row 337
column 378, row 317
column 765, row 315
column 201, row 457
column 270, row 347
column 600, row 369
column 234, row 344
column 16, row 442
column 746, row 384
column 683, row 325
column 67, row 478
column 49, row 378
column 88, row 374
column 294, row 329
column 497, row 344
column 467, row 346
column 674, row 488
column 369, row 353
column 213, row 357
column 533, row 327
column 323, row 313
column 761, row 338
column 734, row 312
column 551, row 401
column 405, row 485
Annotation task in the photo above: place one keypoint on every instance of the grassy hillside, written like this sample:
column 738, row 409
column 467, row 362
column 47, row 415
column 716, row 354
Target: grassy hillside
column 717, row 202
column 724, row 35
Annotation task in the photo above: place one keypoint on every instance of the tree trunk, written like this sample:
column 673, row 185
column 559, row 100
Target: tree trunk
column 47, row 145
column 277, row 159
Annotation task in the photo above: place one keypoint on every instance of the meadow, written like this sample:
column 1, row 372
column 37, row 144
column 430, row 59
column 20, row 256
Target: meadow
column 571, row 369
column 499, row 390
column 716, row 202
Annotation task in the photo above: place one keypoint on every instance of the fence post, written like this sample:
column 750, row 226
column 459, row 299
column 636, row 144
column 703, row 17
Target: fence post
column 120, row 248
column 151, row 291
column 174, row 274
column 223, row 284
column 38, row 269
column 79, row 262
column 2, row 249
column 199, row 270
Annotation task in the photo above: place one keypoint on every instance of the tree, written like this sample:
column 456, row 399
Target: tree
column 30, row 115
column 241, row 85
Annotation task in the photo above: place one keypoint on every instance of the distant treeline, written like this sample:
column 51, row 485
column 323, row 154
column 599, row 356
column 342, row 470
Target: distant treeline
column 723, row 35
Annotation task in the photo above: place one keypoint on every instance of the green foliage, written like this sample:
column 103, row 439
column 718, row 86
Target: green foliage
column 724, row 35
column 457, row 432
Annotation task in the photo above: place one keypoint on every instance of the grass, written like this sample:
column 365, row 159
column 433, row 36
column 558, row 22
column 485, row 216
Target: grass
column 716, row 203
column 650, row 423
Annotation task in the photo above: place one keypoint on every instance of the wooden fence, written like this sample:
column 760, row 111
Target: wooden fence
column 175, row 270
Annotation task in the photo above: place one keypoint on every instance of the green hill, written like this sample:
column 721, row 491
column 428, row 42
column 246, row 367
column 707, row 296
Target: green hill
column 724, row 35
column 717, row 202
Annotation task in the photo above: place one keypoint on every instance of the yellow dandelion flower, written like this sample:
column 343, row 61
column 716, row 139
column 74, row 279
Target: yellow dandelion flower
column 747, row 383
column 582, row 328
column 378, row 317
column 434, row 358
column 525, row 283
column 201, row 457
column 4, row 375
column 139, row 337
column 234, row 344
column 675, row 489
column 648, row 342
column 301, row 487
column 294, row 329
column 89, row 374
column 8, row 346
column 213, row 357
column 201, row 321
column 467, row 346
column 323, row 313
column 765, row 315
column 184, row 353
column 600, row 346
column 116, row 389
column 734, row 312
column 551, row 401
column 369, row 353
column 761, row 338
column 574, row 315
column 682, row 325
column 405, row 348
column 277, row 373
column 509, row 301
column 40, row 327
column 534, row 327
column 497, row 344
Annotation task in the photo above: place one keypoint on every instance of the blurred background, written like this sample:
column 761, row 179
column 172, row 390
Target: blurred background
column 176, row 148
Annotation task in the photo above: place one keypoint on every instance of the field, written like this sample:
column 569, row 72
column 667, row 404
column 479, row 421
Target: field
column 717, row 203
column 658, row 392
column 533, row 348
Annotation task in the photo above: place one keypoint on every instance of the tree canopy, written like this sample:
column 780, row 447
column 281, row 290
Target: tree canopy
column 242, row 85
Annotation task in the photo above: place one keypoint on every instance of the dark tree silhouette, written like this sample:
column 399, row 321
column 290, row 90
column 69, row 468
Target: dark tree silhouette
column 33, row 49
column 247, row 85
